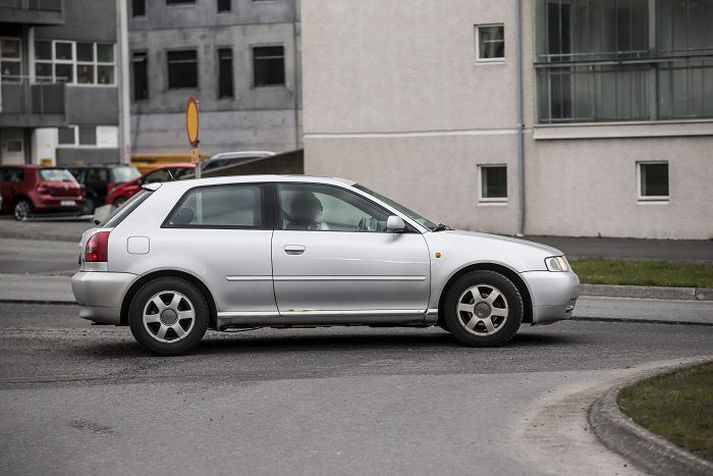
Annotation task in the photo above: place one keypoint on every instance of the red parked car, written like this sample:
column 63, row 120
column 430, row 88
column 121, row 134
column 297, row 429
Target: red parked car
column 122, row 193
column 31, row 189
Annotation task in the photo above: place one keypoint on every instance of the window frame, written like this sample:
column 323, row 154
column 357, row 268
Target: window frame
column 279, row 225
column 134, row 90
column 284, row 65
column 482, row 199
column 9, row 59
column 133, row 10
column 74, row 63
column 75, row 128
column 660, row 199
column 218, row 51
column 499, row 59
column 168, row 69
column 266, row 212
column 224, row 10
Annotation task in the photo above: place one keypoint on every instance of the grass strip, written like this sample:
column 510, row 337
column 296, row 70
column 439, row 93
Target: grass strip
column 644, row 273
column 677, row 406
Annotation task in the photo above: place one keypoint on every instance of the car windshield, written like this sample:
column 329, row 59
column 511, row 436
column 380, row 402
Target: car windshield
column 56, row 175
column 417, row 217
column 125, row 174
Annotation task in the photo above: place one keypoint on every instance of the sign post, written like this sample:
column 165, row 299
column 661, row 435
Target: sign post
column 192, row 130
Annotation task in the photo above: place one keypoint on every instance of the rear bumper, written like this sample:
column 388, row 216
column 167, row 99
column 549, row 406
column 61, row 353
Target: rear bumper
column 554, row 295
column 100, row 294
column 48, row 203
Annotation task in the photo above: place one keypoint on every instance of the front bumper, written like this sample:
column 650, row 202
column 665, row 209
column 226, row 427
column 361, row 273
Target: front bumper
column 554, row 295
column 100, row 294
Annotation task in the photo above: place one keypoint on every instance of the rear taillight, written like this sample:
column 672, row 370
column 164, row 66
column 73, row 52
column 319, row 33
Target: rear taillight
column 97, row 248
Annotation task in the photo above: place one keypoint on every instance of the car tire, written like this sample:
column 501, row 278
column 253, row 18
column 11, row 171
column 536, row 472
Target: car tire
column 168, row 316
column 22, row 209
column 483, row 309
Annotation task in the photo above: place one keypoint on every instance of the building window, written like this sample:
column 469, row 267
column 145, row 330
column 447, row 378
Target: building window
column 74, row 62
column 225, row 73
column 493, row 183
column 268, row 65
column 182, row 69
column 653, row 181
column 179, row 2
column 73, row 136
column 224, row 5
column 10, row 59
column 490, row 42
column 139, row 62
column 597, row 60
column 138, row 8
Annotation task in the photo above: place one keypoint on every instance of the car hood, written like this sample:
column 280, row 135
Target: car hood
column 469, row 247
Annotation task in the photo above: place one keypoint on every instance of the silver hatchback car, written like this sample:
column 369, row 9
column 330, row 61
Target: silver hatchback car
column 284, row 251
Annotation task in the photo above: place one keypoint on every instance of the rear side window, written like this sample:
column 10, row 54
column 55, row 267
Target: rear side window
column 221, row 206
column 12, row 175
column 118, row 215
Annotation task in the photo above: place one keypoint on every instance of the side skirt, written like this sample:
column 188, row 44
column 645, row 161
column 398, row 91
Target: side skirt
column 326, row 318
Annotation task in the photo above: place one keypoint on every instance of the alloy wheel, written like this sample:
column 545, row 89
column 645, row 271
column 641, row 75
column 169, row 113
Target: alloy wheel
column 169, row 316
column 22, row 210
column 482, row 309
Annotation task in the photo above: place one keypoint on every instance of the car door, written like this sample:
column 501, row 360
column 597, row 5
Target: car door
column 223, row 233
column 332, row 256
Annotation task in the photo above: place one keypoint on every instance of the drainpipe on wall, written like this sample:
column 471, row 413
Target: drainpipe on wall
column 520, row 119
column 123, row 83
column 297, row 68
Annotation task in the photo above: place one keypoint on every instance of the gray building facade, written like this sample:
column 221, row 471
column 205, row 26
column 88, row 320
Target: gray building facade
column 239, row 58
column 551, row 117
column 60, row 72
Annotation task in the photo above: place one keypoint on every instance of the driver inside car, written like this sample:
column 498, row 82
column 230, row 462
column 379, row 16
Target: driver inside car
column 306, row 213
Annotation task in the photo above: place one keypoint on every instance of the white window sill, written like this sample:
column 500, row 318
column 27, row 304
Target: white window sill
column 602, row 130
column 492, row 203
column 479, row 62
column 653, row 201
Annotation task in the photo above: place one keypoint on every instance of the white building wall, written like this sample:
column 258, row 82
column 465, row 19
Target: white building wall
column 393, row 98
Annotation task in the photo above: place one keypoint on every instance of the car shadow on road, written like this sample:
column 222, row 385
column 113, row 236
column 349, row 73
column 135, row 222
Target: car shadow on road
column 245, row 343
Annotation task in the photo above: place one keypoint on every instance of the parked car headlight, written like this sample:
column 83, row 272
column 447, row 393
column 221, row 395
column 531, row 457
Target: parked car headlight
column 557, row 263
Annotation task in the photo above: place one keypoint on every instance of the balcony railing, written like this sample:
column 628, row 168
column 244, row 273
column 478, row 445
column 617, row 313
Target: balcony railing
column 35, row 5
column 20, row 96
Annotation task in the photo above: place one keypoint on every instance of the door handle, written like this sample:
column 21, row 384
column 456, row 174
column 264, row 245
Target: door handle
column 294, row 249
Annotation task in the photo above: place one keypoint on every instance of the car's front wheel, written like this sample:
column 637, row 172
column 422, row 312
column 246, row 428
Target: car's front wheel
column 483, row 308
column 168, row 316
column 22, row 210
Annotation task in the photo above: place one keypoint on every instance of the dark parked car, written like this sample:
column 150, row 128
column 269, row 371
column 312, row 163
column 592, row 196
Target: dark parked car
column 30, row 189
column 100, row 180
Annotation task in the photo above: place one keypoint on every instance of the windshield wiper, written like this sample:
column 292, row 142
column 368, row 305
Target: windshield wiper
column 442, row 227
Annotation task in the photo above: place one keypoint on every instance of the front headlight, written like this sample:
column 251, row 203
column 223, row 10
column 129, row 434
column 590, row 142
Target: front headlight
column 557, row 263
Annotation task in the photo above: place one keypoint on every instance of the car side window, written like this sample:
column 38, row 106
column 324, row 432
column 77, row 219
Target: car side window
column 157, row 176
column 219, row 206
column 321, row 207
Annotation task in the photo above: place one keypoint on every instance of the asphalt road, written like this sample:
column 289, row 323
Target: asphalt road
column 80, row 398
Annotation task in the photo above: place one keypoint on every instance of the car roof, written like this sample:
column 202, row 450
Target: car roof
column 231, row 179
column 242, row 154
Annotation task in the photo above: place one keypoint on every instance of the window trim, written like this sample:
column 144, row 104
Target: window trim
column 168, row 69
column 478, row 59
column 265, row 202
column 482, row 199
column 254, row 84
column 74, row 62
column 10, row 79
column 76, row 144
column 132, row 88
column 232, row 72
column 646, row 199
column 278, row 209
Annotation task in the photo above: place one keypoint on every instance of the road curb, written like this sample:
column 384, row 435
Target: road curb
column 646, row 292
column 646, row 450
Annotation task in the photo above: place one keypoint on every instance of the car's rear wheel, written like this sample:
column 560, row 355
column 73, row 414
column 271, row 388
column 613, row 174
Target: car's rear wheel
column 168, row 316
column 483, row 308
column 22, row 210
column 89, row 206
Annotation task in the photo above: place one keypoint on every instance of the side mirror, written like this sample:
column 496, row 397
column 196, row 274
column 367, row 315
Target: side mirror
column 395, row 224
